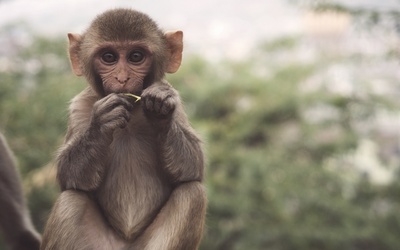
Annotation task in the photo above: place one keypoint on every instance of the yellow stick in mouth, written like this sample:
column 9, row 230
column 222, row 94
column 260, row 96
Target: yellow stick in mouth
column 134, row 96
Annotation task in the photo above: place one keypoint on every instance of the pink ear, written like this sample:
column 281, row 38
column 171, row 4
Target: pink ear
column 175, row 47
column 74, row 40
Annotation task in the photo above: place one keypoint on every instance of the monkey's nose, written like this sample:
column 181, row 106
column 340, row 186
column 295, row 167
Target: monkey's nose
column 122, row 80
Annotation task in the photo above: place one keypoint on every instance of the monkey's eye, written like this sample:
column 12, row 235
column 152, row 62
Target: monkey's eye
column 136, row 57
column 108, row 58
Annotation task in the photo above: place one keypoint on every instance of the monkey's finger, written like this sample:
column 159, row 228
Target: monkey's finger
column 148, row 103
column 167, row 107
column 160, row 103
column 106, row 104
column 113, row 101
column 117, row 119
column 157, row 105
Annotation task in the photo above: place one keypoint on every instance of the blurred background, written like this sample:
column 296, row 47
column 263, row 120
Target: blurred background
column 298, row 103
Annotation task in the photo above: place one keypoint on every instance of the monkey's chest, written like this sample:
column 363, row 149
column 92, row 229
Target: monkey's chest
column 134, row 188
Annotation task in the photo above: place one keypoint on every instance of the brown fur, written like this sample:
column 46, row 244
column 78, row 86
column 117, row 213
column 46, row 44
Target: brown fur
column 130, row 172
column 15, row 222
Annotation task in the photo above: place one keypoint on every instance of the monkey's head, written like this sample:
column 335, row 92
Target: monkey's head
column 124, row 51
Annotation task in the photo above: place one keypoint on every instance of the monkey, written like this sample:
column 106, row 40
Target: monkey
column 15, row 221
column 130, row 170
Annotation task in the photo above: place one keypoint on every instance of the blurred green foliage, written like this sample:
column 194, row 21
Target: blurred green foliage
column 270, row 179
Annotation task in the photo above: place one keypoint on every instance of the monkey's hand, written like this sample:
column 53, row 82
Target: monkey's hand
column 159, row 101
column 110, row 113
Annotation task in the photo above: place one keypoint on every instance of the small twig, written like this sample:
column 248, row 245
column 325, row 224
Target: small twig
column 134, row 96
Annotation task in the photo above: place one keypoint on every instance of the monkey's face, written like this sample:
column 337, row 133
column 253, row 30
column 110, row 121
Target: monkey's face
column 122, row 67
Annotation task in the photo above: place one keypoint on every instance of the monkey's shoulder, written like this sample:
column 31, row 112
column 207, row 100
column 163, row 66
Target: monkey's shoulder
column 83, row 102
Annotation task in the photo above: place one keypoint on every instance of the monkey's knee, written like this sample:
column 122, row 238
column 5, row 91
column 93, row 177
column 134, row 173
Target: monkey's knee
column 72, row 200
column 63, row 224
column 193, row 192
column 69, row 207
column 76, row 223
column 191, row 202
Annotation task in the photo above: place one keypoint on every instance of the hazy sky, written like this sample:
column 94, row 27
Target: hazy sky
column 215, row 28
column 223, row 27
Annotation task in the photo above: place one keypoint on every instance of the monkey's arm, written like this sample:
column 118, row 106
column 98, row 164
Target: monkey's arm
column 180, row 147
column 78, row 164
column 82, row 159
column 181, row 151
column 15, row 221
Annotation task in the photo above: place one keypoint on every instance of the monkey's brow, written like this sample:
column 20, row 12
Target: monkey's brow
column 128, row 43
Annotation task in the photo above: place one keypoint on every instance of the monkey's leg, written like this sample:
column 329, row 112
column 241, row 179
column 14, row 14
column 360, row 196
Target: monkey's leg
column 179, row 225
column 76, row 223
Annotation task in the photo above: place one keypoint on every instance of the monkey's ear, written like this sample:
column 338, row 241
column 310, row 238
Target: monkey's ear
column 74, row 40
column 175, row 47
